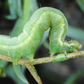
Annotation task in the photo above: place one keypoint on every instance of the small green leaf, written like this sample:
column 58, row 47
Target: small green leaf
column 19, row 8
column 17, row 29
column 33, row 6
column 19, row 73
column 2, row 72
column 60, row 57
column 26, row 11
column 81, row 4
column 10, row 17
column 12, row 7
column 15, row 9
column 2, row 66
column 46, row 44
column 3, row 63
column 10, row 73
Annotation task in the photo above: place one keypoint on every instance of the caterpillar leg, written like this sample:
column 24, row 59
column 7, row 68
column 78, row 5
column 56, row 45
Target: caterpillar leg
column 31, row 56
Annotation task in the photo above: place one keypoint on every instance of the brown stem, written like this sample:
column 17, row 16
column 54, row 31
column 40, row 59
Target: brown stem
column 41, row 60
column 29, row 63
column 75, row 54
column 33, row 72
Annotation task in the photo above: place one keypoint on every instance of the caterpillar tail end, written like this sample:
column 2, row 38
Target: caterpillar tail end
column 74, row 45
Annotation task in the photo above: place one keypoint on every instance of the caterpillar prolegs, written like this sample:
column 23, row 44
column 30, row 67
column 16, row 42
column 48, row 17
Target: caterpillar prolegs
column 32, row 34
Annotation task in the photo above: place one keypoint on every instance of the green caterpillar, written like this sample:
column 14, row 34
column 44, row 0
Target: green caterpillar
column 32, row 34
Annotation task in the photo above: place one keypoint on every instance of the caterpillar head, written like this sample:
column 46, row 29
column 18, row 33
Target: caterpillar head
column 77, row 44
column 73, row 45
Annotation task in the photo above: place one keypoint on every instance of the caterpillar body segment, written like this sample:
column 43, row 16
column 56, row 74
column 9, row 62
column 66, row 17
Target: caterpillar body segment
column 32, row 34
